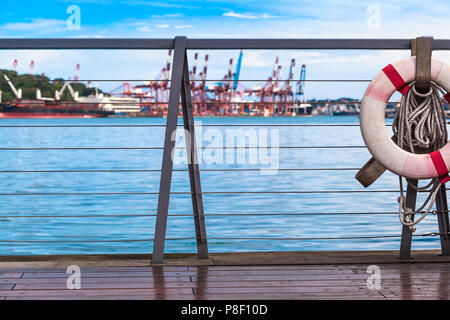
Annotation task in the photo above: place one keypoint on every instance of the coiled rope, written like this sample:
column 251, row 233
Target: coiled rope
column 419, row 126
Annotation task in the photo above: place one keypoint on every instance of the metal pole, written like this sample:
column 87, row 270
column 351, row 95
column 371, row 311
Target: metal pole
column 422, row 47
column 169, row 144
column 443, row 221
column 411, row 196
column 194, row 172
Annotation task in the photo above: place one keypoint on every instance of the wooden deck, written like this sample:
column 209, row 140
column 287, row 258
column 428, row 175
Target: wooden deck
column 419, row 278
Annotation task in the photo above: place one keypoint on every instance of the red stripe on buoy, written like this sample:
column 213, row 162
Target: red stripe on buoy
column 447, row 97
column 396, row 79
column 440, row 166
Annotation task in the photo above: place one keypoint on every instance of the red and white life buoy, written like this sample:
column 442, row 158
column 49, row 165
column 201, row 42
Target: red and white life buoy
column 372, row 117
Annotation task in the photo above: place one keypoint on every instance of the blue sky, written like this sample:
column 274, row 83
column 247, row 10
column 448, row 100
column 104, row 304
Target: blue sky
column 215, row 18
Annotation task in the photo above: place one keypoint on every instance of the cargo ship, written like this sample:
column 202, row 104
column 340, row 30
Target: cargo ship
column 41, row 110
column 42, row 107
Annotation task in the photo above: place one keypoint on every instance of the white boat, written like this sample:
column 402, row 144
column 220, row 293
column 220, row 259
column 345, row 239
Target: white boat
column 117, row 104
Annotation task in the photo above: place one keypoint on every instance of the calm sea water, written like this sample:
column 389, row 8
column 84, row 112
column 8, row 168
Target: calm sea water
column 219, row 225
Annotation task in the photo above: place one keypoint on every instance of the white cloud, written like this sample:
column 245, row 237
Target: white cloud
column 246, row 15
column 144, row 29
column 183, row 26
column 36, row 25
column 169, row 15
column 253, row 59
column 157, row 4
column 162, row 26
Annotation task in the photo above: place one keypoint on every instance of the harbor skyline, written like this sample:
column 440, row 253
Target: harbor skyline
column 231, row 19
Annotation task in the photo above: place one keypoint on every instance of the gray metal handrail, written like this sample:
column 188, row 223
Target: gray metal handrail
column 180, row 88
column 215, row 44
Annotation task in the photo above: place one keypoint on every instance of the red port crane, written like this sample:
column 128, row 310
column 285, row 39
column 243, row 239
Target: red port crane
column 31, row 67
column 77, row 73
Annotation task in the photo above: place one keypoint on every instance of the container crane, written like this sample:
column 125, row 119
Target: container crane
column 235, row 76
column 169, row 62
column 77, row 72
column 202, row 86
column 193, row 76
column 237, row 72
column 299, row 91
column 291, row 76
column 31, row 67
column 287, row 94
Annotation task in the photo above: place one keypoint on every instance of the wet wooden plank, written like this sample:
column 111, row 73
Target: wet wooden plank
column 213, row 272
column 6, row 286
column 160, row 280
column 398, row 281
column 99, row 269
column 291, row 296
column 268, row 277
column 97, row 293
column 278, row 267
column 187, row 284
column 100, row 285
column 10, row 275
column 270, row 283
column 408, row 295
column 409, row 267
column 105, row 274
column 299, row 289
column 107, row 297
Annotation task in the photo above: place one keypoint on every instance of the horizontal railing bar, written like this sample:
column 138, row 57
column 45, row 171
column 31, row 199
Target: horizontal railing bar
column 196, row 125
column 161, row 148
column 88, row 241
column 284, row 44
column 83, row 216
column 83, row 171
column 158, row 103
column 214, row 44
column 283, row 125
column 192, row 80
column 320, row 238
column 280, row 80
column 304, row 213
column 222, row 238
column 159, row 170
column 204, row 192
column 283, row 169
column 206, row 214
column 83, row 126
column 298, row 192
column 86, row 43
column 84, row 148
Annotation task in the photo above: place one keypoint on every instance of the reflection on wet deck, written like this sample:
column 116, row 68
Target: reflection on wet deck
column 308, row 281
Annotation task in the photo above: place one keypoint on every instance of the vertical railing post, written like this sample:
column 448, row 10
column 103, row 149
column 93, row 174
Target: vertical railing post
column 443, row 220
column 194, row 171
column 169, row 144
column 410, row 201
column 179, row 87
column 422, row 48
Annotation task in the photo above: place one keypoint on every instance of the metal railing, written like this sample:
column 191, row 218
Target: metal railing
column 180, row 89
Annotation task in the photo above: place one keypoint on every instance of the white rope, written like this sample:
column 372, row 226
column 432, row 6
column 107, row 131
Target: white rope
column 419, row 126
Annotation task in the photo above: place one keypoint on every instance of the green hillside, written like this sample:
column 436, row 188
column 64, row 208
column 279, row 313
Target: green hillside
column 29, row 83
